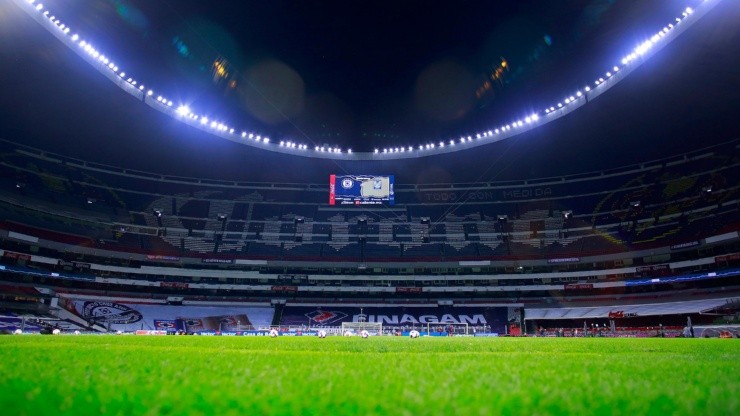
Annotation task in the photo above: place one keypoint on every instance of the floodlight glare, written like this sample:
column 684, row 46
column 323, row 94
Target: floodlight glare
column 183, row 110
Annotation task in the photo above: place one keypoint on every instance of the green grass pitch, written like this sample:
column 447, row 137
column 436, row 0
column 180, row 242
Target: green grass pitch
column 128, row 375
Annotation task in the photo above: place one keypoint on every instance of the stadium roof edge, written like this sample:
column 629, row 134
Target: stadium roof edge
column 547, row 114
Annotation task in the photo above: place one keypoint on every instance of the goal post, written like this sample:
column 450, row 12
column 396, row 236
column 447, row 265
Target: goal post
column 373, row 328
column 439, row 329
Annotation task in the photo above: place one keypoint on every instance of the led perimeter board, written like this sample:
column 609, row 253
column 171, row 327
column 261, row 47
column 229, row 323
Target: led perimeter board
column 361, row 190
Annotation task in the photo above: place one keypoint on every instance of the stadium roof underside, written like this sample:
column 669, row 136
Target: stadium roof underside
column 504, row 129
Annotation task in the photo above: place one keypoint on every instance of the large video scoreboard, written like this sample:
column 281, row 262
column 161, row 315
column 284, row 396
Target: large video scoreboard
column 361, row 190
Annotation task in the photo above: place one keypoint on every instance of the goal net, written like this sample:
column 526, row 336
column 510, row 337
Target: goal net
column 447, row 329
column 373, row 328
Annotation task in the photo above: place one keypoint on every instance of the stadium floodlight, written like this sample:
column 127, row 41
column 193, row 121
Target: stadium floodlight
column 183, row 110
column 375, row 151
column 39, row 7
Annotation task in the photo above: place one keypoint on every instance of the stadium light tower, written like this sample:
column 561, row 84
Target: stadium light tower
column 298, row 234
column 158, row 215
column 567, row 215
column 362, row 229
column 223, row 218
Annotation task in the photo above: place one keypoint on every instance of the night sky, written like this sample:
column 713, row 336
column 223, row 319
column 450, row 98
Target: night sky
column 369, row 74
